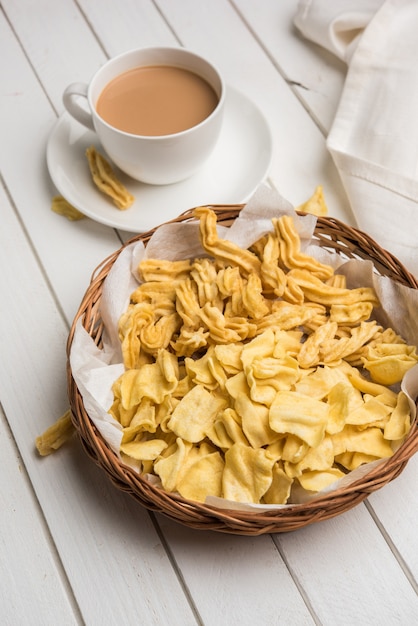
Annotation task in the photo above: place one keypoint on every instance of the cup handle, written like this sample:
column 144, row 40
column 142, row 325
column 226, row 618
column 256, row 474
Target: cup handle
column 73, row 107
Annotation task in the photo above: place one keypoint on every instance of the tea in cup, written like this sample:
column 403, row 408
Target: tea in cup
column 156, row 111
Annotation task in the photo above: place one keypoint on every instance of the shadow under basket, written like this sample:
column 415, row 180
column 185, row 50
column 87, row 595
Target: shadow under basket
column 330, row 234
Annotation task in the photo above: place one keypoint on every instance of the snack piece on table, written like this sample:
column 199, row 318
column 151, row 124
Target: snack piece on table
column 316, row 203
column 62, row 207
column 56, row 435
column 106, row 181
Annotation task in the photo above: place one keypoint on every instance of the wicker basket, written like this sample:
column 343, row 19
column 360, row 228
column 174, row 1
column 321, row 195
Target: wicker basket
column 330, row 234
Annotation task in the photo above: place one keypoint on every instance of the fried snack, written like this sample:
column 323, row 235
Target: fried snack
column 62, row 207
column 290, row 253
column 223, row 249
column 105, row 179
column 253, row 375
column 56, row 435
column 316, row 203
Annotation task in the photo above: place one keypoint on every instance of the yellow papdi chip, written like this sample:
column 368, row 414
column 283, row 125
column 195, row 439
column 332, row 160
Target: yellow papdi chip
column 294, row 413
column 256, row 375
column 195, row 414
column 202, row 476
column 388, row 363
column 106, row 181
column 247, row 475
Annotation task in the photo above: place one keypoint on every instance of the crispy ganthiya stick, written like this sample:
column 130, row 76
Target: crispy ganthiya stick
column 105, row 180
column 56, row 435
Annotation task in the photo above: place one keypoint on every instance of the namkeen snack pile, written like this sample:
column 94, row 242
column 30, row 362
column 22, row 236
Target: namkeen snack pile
column 255, row 374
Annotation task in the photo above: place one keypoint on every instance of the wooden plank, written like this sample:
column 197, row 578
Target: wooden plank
column 139, row 24
column 73, row 249
column 115, row 560
column 108, row 545
column 30, row 575
column 316, row 75
column 349, row 572
column 231, row 578
column 396, row 510
column 55, row 35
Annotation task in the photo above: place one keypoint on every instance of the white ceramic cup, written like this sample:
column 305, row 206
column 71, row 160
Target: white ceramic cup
column 157, row 160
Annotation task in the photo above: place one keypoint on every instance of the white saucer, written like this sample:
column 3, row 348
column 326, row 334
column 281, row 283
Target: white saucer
column 240, row 161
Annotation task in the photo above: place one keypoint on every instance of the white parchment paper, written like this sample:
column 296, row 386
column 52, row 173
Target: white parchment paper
column 95, row 370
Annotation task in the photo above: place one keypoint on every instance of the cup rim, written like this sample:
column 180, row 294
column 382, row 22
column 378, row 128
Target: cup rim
column 156, row 138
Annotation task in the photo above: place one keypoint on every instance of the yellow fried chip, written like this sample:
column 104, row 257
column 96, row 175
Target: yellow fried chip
column 319, row 480
column 202, row 477
column 399, row 422
column 353, row 460
column 311, row 351
column 299, row 415
column 146, row 450
column 316, row 459
column 261, row 346
column 247, row 475
column 279, row 490
column 195, row 414
column 371, row 411
column 117, row 410
column 319, row 382
column 105, row 179
column 368, row 441
column 169, row 468
column 206, row 371
column 388, row 363
column 266, row 376
column 255, row 422
column 343, row 401
column 293, row 449
column 227, row 430
column 229, row 356
column 237, row 385
column 347, row 314
column 367, row 386
column 154, row 381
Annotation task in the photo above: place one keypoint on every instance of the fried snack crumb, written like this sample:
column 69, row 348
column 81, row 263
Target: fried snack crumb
column 316, row 203
column 56, row 435
column 106, row 181
column 62, row 207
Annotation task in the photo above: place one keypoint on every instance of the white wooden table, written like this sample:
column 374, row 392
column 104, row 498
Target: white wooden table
column 73, row 549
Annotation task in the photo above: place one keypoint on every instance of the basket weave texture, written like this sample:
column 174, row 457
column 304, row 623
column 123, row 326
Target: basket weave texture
column 331, row 234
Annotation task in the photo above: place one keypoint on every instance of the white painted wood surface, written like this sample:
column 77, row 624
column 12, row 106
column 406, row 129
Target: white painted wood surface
column 73, row 549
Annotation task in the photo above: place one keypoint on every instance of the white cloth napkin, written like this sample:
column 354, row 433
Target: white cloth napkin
column 374, row 136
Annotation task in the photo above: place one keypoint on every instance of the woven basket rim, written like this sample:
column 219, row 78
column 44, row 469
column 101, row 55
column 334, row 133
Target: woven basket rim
column 330, row 233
